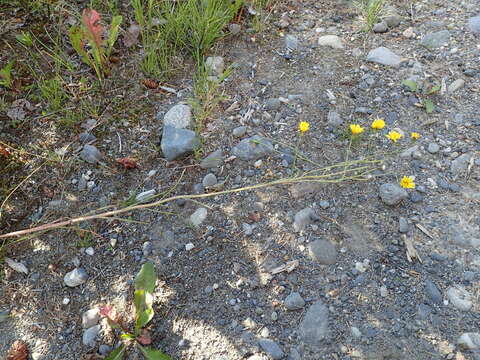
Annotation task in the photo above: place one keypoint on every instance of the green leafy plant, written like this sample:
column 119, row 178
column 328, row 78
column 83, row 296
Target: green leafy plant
column 143, row 301
column 370, row 10
column 6, row 75
column 25, row 38
column 91, row 32
column 423, row 93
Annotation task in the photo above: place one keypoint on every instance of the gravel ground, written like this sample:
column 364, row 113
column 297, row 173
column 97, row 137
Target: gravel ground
column 352, row 292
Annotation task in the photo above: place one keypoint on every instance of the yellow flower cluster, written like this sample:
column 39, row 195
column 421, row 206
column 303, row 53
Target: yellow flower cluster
column 394, row 136
column 407, row 182
column 303, row 126
column 356, row 129
column 378, row 124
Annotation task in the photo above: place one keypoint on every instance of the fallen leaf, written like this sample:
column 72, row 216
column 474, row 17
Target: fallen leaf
column 151, row 84
column 128, row 163
column 17, row 266
column 288, row 267
column 131, row 36
column 18, row 351
column 411, row 251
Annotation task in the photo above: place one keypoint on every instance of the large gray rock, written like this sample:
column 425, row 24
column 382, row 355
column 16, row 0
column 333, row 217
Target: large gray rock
column 303, row 218
column 469, row 341
column 436, row 39
column 90, row 318
column 460, row 164
column 432, row 292
column 76, row 277
column 90, row 154
column 89, row 337
column 384, row 56
column 179, row 116
column 332, row 41
column 460, row 298
column 294, row 301
column 474, row 24
column 323, row 251
column 314, row 326
column 252, row 148
column 392, row 194
column 215, row 159
column 178, row 142
column 273, row 350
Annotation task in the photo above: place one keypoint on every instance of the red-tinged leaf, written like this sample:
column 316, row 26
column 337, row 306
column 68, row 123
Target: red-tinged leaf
column 4, row 151
column 112, row 316
column 128, row 163
column 18, row 351
column 91, row 20
column 144, row 338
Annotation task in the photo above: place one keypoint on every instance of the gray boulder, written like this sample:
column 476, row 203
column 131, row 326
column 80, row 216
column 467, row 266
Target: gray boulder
column 436, row 39
column 179, row 116
column 178, row 142
column 392, row 194
column 90, row 154
column 252, row 148
column 384, row 56
column 314, row 326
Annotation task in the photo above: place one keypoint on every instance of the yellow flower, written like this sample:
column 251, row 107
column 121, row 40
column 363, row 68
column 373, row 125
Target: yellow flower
column 407, row 182
column 356, row 129
column 303, row 126
column 394, row 136
column 378, row 124
column 415, row 135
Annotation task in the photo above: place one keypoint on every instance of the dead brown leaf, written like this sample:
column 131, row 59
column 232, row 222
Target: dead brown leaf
column 18, row 351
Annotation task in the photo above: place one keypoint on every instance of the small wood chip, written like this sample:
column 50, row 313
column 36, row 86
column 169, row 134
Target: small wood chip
column 411, row 251
column 288, row 267
column 424, row 230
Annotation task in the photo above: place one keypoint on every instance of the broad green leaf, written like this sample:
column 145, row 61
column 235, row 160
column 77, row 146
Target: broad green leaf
column 144, row 318
column 151, row 354
column 429, row 106
column 412, row 85
column 116, row 354
column 146, row 278
column 114, row 29
column 76, row 36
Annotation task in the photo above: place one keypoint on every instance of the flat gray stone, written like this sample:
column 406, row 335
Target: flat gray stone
column 393, row 20
column 460, row 165
column 90, row 318
column 460, row 298
column 432, row 292
column 392, row 194
column 76, row 277
column 384, row 56
column 291, row 42
column 456, row 85
column 199, row 216
column 433, row 148
column 273, row 350
column 380, row 27
column 332, row 41
column 89, row 337
column 314, row 326
column 334, row 119
column 469, row 341
column 303, row 218
column 239, row 131
column 474, row 24
column 436, row 39
column 209, row 180
column 213, row 160
column 177, row 142
column 323, row 251
column 403, row 225
column 272, row 104
column 294, row 301
column 179, row 116
column 253, row 148
column 90, row 154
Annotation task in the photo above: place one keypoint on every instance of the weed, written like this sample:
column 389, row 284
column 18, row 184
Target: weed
column 424, row 93
column 91, row 31
column 208, row 95
column 51, row 90
column 143, row 302
column 370, row 11
column 6, row 75
column 25, row 39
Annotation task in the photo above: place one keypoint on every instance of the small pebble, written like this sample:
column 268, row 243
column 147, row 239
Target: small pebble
column 189, row 246
column 89, row 251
